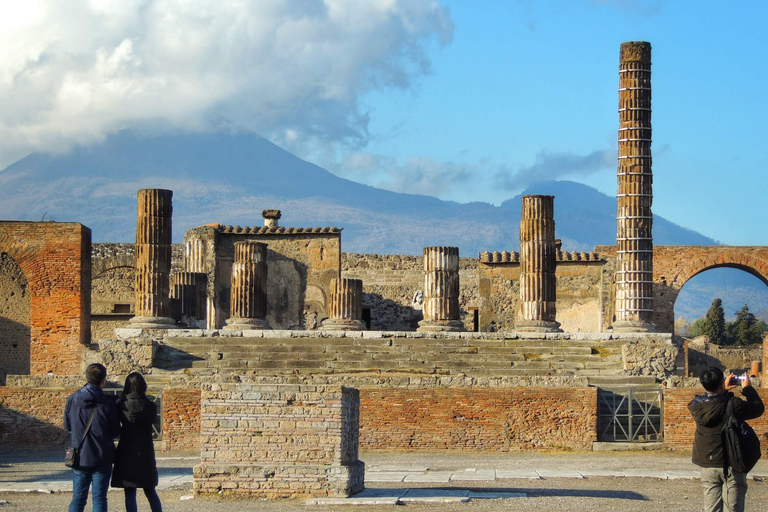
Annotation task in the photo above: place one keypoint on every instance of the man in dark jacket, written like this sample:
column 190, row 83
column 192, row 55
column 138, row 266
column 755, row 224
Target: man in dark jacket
column 709, row 412
column 98, row 449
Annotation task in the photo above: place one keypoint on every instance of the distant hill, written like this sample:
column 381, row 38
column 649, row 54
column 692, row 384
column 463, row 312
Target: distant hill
column 230, row 177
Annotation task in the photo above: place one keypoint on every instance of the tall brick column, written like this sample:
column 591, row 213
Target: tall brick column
column 538, row 285
column 441, row 290
column 248, row 303
column 153, row 260
column 189, row 290
column 345, row 308
column 634, row 239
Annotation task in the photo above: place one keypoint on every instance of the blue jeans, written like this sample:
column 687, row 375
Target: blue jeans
column 149, row 492
column 81, row 482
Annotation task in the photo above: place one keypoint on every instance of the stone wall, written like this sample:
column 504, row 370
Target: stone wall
column 121, row 356
column 279, row 440
column 702, row 354
column 680, row 428
column 390, row 283
column 14, row 319
column 581, row 295
column 650, row 358
column 56, row 261
column 181, row 418
column 478, row 419
column 32, row 417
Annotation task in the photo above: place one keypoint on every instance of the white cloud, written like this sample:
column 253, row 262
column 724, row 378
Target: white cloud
column 72, row 71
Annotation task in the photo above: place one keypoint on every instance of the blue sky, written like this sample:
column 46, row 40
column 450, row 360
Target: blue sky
column 464, row 100
column 529, row 90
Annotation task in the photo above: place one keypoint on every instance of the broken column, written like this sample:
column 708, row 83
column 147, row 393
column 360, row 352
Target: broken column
column 441, row 290
column 345, row 307
column 188, row 292
column 536, row 310
column 634, row 240
column 153, row 260
column 248, row 302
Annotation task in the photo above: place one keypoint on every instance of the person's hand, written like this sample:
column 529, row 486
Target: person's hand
column 746, row 382
column 729, row 381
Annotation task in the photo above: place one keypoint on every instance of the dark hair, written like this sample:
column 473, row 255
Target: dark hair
column 135, row 383
column 95, row 374
column 711, row 378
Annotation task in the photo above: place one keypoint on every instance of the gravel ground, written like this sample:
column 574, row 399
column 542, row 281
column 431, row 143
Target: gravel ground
column 575, row 495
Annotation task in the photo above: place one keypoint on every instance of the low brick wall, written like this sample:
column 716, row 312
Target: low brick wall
column 679, row 427
column 279, row 440
column 478, row 419
column 181, row 419
column 32, row 417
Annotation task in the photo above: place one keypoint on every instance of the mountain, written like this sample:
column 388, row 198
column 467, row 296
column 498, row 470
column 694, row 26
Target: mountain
column 229, row 178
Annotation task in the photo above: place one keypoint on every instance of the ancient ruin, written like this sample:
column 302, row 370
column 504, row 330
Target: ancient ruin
column 538, row 291
column 283, row 411
column 634, row 219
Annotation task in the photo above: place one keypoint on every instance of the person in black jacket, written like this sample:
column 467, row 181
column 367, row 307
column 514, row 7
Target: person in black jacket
column 709, row 412
column 135, row 465
column 98, row 449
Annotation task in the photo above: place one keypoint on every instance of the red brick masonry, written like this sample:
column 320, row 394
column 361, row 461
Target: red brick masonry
column 478, row 419
column 56, row 260
column 181, row 419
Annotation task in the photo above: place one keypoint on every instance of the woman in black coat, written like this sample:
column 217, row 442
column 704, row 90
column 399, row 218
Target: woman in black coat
column 135, row 465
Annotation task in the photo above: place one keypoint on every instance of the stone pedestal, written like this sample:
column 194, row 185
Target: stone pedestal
column 153, row 260
column 536, row 310
column 345, row 307
column 248, row 303
column 189, row 289
column 441, row 290
column 634, row 240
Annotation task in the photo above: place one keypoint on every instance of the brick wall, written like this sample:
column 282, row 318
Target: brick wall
column 280, row 440
column 181, row 419
column 14, row 319
column 679, row 427
column 32, row 417
column 56, row 261
column 478, row 419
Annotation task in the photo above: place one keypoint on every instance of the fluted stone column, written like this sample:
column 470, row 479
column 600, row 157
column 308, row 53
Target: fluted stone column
column 634, row 239
column 189, row 290
column 248, row 303
column 536, row 310
column 345, row 307
column 153, row 260
column 441, row 290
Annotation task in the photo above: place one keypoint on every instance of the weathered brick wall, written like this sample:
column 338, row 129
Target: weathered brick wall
column 679, row 427
column 14, row 319
column 390, row 282
column 56, row 261
column 32, row 417
column 279, row 440
column 581, row 295
column 478, row 419
column 181, row 418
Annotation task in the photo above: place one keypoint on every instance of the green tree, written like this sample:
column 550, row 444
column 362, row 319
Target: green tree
column 714, row 323
column 746, row 330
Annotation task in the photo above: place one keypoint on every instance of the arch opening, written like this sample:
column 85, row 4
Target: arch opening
column 15, row 331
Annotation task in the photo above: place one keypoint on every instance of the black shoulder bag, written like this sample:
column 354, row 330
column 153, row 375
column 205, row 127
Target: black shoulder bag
column 741, row 444
column 72, row 455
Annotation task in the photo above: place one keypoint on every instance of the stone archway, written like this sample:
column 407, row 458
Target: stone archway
column 14, row 319
column 676, row 265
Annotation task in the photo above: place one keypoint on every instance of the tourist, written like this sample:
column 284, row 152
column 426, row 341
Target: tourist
column 97, row 448
column 135, row 465
column 709, row 411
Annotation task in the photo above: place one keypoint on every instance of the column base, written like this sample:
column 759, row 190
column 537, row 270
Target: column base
column 441, row 326
column 633, row 326
column 152, row 322
column 246, row 324
column 537, row 326
column 338, row 324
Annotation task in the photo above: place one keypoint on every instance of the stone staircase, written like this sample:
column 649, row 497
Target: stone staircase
column 598, row 360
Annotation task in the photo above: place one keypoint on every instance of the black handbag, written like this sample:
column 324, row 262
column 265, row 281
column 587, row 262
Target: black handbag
column 72, row 455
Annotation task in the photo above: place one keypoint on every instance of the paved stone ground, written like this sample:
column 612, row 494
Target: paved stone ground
column 467, row 482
